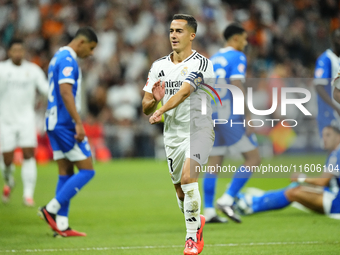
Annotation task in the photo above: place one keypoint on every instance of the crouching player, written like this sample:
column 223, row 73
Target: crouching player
column 318, row 194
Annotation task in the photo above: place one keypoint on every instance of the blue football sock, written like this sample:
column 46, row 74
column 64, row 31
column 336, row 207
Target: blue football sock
column 61, row 181
column 238, row 181
column 209, row 184
column 73, row 185
column 270, row 201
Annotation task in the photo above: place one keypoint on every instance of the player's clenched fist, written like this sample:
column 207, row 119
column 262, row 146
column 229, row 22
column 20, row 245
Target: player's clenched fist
column 80, row 132
column 158, row 90
column 156, row 117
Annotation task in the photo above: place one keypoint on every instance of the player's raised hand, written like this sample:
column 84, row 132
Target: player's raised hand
column 156, row 117
column 80, row 132
column 158, row 90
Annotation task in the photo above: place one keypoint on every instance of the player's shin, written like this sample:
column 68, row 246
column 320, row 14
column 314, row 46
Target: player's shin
column 192, row 206
column 270, row 201
column 29, row 177
column 239, row 180
column 73, row 185
column 209, row 185
column 180, row 204
column 7, row 173
column 62, row 215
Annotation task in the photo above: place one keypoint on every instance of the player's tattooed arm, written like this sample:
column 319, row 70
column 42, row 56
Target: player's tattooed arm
column 323, row 180
column 151, row 100
column 182, row 94
column 68, row 99
column 336, row 96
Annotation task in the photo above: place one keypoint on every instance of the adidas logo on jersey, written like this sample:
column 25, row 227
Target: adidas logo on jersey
column 161, row 74
column 197, row 156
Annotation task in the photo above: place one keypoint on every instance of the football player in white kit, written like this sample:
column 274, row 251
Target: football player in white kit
column 19, row 80
column 177, row 81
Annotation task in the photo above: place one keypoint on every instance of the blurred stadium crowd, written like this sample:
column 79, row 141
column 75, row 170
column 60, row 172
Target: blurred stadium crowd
column 285, row 38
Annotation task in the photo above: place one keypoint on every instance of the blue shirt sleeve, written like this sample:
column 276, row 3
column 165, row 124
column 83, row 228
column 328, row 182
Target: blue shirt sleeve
column 323, row 69
column 238, row 67
column 67, row 70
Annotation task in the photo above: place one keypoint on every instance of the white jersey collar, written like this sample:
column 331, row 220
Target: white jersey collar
column 23, row 61
column 192, row 55
column 73, row 53
column 330, row 52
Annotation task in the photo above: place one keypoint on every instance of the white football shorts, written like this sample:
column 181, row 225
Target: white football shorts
column 198, row 148
column 12, row 136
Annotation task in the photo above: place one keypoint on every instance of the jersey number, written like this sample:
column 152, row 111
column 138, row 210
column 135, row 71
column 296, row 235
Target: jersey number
column 170, row 161
column 51, row 89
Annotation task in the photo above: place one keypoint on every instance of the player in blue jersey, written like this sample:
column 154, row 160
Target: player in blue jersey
column 230, row 68
column 326, row 68
column 319, row 194
column 65, row 129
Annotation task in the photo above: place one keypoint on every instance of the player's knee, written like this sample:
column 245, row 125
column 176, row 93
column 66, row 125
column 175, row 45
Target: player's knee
column 186, row 178
column 8, row 161
column 28, row 153
column 91, row 173
column 180, row 196
column 254, row 161
column 292, row 194
column 257, row 161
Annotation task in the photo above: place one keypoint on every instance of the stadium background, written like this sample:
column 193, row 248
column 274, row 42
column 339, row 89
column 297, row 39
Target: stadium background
column 285, row 38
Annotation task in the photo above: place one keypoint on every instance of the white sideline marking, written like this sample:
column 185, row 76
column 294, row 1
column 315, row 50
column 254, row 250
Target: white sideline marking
column 161, row 247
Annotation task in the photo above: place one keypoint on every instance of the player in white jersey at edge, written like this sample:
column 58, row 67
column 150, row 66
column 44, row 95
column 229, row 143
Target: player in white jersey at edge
column 230, row 68
column 65, row 129
column 188, row 135
column 19, row 80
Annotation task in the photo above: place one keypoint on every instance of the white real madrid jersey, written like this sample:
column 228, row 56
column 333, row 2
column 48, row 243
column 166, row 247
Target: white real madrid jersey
column 187, row 118
column 18, row 86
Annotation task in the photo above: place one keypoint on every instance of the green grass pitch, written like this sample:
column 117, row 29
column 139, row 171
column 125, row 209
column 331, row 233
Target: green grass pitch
column 130, row 208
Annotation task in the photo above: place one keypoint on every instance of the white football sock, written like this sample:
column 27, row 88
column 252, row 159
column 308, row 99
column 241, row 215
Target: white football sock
column 226, row 199
column 7, row 174
column 209, row 213
column 192, row 206
column 180, row 204
column 53, row 206
column 62, row 222
column 29, row 176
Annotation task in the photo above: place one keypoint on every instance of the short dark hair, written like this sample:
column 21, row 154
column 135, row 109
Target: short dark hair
column 190, row 19
column 15, row 41
column 88, row 32
column 233, row 29
column 335, row 128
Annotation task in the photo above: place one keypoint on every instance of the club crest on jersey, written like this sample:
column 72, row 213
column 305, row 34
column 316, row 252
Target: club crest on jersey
column 198, row 81
column 318, row 73
column 241, row 68
column 67, row 71
column 184, row 71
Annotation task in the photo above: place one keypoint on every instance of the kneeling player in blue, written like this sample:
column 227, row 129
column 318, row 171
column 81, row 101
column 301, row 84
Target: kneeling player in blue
column 65, row 129
column 318, row 194
column 230, row 68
